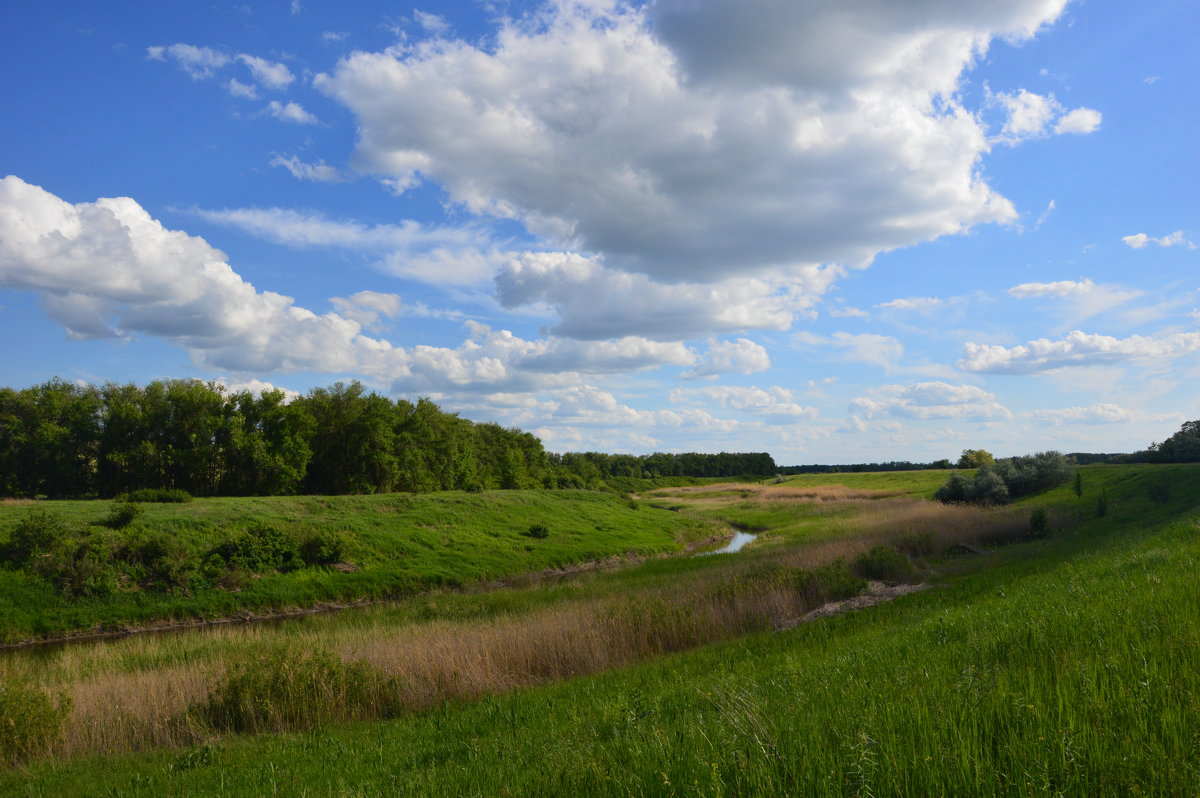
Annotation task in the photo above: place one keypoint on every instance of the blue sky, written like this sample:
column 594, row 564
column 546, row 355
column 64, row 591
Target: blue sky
column 835, row 231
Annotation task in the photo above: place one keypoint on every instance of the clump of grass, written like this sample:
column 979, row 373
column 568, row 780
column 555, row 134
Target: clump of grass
column 830, row 582
column 324, row 547
column 122, row 513
column 539, row 531
column 883, row 563
column 30, row 722
column 1038, row 526
column 284, row 690
column 159, row 495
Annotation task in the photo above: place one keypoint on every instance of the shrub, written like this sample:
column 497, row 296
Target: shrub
column 324, row 547
column 539, row 531
column 260, row 548
column 30, row 722
column 987, row 488
column 1011, row 478
column 161, row 561
column 284, row 690
column 38, row 533
column 883, row 563
column 832, row 582
column 82, row 566
column 1078, row 486
column 1037, row 523
column 159, row 495
column 955, row 489
column 122, row 513
column 1102, row 504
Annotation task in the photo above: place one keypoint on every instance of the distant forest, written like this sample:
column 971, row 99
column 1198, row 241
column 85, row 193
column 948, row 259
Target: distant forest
column 60, row 439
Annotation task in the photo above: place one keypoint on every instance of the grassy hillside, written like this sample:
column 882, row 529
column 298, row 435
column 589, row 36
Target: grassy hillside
column 1064, row 665
column 395, row 545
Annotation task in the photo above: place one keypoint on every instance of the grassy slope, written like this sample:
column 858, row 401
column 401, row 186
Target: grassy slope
column 1067, row 665
column 916, row 483
column 403, row 543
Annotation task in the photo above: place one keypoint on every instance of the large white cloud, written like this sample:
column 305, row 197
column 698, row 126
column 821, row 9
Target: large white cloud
column 772, row 401
column 930, row 400
column 1076, row 349
column 107, row 268
column 454, row 255
column 593, row 301
column 714, row 139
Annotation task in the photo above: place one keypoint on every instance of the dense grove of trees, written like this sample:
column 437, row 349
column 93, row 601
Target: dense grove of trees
column 60, row 439
column 592, row 467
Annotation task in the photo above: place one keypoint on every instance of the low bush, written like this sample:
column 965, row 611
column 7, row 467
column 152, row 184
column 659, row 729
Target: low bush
column 160, row 561
column 1038, row 526
column 37, row 533
column 260, row 548
column 122, row 513
column 285, row 690
column 30, row 722
column 324, row 547
column 883, row 563
column 159, row 495
column 539, row 531
column 831, row 582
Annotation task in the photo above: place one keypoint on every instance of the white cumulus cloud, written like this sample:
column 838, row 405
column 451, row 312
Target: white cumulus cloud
column 199, row 62
column 740, row 356
column 290, row 112
column 682, row 142
column 772, row 401
column 1141, row 240
column 270, row 74
column 1076, row 349
column 930, row 400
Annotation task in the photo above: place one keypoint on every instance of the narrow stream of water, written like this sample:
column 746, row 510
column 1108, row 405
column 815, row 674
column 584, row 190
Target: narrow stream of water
column 739, row 540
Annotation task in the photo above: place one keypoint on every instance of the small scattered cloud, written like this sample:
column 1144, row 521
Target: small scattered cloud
column 244, row 90
column 921, row 304
column 432, row 23
column 255, row 386
column 846, row 312
column 1081, row 121
column 1041, row 220
column 740, row 356
column 290, row 112
column 1141, row 240
column 1059, row 288
column 270, row 74
column 1152, row 79
column 319, row 172
column 1103, row 413
column 335, row 35
column 1031, row 116
column 198, row 62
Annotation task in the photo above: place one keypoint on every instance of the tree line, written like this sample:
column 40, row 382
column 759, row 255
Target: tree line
column 61, row 439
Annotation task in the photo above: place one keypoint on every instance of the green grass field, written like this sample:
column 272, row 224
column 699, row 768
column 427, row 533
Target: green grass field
column 399, row 544
column 1066, row 665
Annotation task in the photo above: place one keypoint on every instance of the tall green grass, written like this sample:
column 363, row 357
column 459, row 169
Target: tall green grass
column 396, row 545
column 1066, row 666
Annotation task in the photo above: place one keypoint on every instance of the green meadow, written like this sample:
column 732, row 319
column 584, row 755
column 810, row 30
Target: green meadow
column 395, row 545
column 1063, row 662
